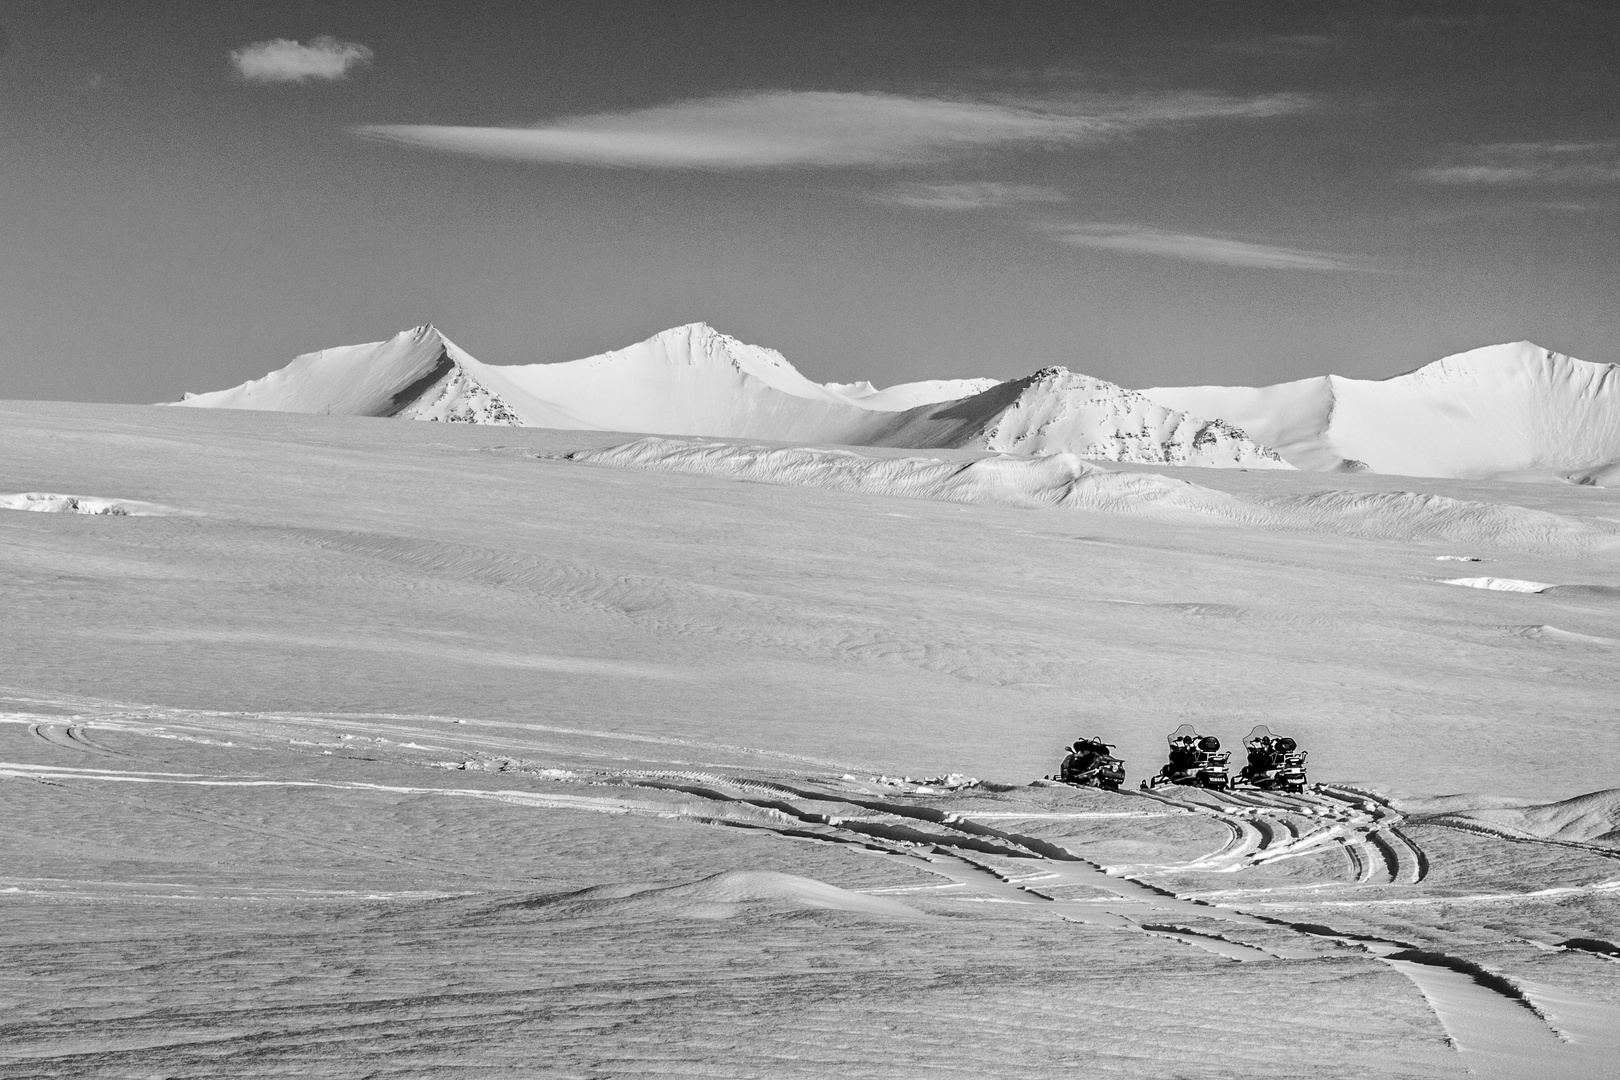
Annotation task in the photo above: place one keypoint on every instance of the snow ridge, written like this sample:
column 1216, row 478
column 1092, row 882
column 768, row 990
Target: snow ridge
column 1066, row 481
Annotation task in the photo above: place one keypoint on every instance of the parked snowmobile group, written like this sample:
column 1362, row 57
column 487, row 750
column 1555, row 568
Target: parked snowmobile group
column 1275, row 763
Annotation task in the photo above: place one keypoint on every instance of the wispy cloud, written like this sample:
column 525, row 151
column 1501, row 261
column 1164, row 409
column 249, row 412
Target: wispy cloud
column 1281, row 45
column 285, row 61
column 1137, row 240
column 980, row 195
column 776, row 129
column 1521, row 164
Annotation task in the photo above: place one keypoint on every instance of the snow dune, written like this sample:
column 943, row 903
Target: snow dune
column 720, row 896
column 1503, row 410
column 1497, row 584
column 1544, row 632
column 1593, row 818
column 1056, row 480
column 1066, row 481
column 694, row 380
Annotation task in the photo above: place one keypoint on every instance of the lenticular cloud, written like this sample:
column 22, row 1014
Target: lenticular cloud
column 282, row 60
column 778, row 129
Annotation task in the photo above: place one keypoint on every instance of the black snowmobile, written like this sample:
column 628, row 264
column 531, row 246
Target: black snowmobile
column 1195, row 760
column 1276, row 763
column 1089, row 764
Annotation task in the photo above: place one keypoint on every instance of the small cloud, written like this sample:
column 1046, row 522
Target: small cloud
column 776, row 129
column 1520, row 164
column 983, row 195
column 284, row 61
column 1136, row 240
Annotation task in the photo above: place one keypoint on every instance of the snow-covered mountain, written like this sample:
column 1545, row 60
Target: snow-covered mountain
column 1504, row 410
column 1060, row 411
column 694, row 380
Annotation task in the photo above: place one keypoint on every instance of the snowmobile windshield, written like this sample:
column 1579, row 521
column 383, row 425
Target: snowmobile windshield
column 1260, row 732
column 1185, row 731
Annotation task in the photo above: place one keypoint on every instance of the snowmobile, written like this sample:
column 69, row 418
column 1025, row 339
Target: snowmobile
column 1276, row 763
column 1089, row 764
column 1195, row 760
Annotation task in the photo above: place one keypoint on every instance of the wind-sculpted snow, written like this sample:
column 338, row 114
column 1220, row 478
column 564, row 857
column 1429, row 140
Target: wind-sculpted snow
column 1064, row 481
column 1498, row 411
column 1496, row 584
column 721, row 896
column 1410, row 515
column 46, row 502
column 1593, row 818
column 1058, row 480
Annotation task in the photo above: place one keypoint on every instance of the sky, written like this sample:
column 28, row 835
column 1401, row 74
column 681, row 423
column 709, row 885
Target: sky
column 1155, row 193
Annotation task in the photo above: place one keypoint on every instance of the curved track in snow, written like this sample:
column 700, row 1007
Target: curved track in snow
column 1498, row 1024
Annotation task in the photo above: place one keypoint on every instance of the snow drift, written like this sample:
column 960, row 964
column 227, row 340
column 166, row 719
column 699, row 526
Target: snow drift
column 1593, row 818
column 1055, row 480
column 718, row 897
column 694, row 380
column 46, row 502
column 1066, row 481
column 1503, row 410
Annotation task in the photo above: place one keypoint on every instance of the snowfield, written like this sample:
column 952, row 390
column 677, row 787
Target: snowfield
column 488, row 749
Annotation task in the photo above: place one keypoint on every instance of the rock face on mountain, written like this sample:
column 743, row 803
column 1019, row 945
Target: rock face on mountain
column 694, row 380
column 1059, row 411
column 419, row 374
column 1504, row 410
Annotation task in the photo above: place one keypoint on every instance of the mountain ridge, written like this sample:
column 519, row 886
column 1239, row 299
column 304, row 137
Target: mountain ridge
column 1513, row 410
column 696, row 380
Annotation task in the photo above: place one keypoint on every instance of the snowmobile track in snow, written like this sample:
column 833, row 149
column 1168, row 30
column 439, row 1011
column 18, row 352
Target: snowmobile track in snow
column 1493, row 1020
column 1268, row 827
